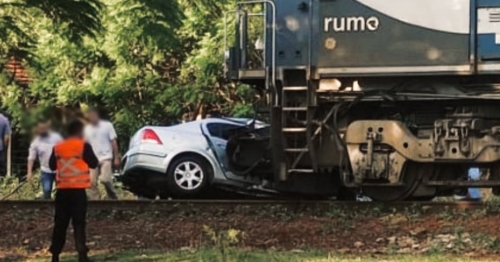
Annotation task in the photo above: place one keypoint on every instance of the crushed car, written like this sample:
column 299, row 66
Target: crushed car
column 185, row 160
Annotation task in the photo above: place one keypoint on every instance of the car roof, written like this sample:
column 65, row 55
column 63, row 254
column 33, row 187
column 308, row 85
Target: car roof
column 193, row 126
column 233, row 120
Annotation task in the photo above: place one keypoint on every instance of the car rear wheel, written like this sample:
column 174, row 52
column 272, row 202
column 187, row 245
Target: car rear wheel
column 188, row 176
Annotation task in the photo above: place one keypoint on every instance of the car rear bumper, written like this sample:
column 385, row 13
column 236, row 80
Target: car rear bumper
column 154, row 163
column 143, row 174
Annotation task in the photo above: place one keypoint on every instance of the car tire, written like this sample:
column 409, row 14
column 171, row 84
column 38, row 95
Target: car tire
column 188, row 177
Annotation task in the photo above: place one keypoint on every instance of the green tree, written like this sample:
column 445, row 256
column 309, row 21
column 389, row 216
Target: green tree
column 76, row 18
column 146, row 62
column 20, row 24
column 202, row 69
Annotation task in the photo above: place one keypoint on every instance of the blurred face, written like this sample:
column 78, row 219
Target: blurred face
column 42, row 129
column 93, row 117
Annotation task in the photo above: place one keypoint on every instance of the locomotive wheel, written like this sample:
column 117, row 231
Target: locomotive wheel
column 495, row 175
column 411, row 178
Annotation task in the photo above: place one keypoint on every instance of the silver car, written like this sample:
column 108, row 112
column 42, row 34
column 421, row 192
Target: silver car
column 183, row 160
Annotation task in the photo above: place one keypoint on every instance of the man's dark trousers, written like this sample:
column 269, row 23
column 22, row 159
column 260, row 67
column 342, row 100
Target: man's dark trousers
column 3, row 163
column 70, row 204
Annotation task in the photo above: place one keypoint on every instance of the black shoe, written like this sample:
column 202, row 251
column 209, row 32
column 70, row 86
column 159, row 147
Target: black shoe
column 82, row 257
column 55, row 258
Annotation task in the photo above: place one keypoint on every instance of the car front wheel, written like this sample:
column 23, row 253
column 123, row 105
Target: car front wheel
column 188, row 177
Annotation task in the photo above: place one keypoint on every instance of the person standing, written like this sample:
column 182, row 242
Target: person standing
column 4, row 143
column 101, row 135
column 72, row 159
column 472, row 193
column 41, row 149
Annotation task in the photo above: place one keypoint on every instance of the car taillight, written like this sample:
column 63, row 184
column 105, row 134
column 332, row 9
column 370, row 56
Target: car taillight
column 149, row 136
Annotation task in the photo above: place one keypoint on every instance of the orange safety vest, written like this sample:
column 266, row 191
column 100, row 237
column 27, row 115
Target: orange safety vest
column 72, row 171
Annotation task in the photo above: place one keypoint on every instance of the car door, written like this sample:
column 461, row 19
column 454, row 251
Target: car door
column 218, row 134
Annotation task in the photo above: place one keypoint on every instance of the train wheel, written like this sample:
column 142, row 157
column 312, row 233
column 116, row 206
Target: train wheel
column 495, row 175
column 412, row 177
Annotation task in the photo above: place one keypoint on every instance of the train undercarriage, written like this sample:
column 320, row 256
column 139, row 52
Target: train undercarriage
column 394, row 139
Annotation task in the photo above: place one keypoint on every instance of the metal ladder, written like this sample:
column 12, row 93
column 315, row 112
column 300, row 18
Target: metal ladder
column 297, row 115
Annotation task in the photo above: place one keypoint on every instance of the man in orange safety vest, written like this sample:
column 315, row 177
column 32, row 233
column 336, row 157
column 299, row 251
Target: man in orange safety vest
column 71, row 159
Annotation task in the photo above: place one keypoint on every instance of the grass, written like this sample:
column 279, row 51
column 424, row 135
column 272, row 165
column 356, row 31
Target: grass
column 235, row 255
column 33, row 190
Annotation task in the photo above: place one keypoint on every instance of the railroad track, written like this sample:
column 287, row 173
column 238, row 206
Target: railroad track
column 139, row 205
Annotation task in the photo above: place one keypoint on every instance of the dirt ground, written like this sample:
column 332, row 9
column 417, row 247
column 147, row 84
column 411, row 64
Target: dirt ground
column 473, row 233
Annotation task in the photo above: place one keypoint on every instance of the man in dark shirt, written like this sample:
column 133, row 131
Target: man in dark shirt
column 4, row 142
column 72, row 159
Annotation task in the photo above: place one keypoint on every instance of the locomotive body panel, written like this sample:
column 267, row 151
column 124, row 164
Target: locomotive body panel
column 367, row 36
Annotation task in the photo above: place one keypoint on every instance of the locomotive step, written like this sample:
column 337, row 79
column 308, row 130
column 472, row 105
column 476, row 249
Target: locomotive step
column 294, row 108
column 296, row 150
column 295, row 88
column 294, row 129
column 300, row 171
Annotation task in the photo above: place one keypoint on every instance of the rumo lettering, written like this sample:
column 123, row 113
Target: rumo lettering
column 351, row 24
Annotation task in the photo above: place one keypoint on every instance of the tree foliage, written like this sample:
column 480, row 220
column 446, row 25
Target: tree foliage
column 144, row 61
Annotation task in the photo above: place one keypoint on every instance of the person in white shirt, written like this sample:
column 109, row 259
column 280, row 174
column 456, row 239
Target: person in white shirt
column 101, row 135
column 41, row 149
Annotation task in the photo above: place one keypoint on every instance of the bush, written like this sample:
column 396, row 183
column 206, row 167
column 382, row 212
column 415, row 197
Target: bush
column 12, row 188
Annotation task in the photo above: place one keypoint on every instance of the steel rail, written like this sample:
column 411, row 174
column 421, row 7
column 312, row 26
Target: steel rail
column 170, row 204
